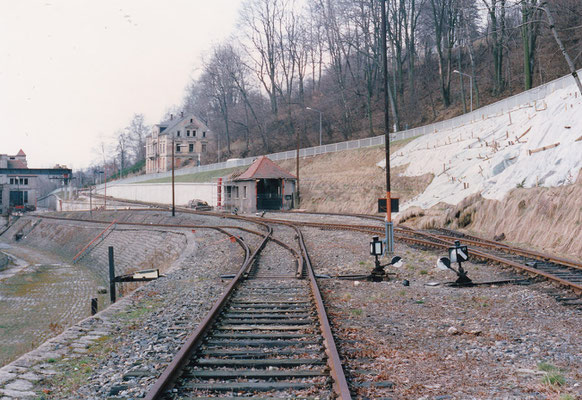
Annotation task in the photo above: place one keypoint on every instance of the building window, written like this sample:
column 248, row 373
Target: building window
column 177, row 147
column 203, row 148
column 191, row 120
column 25, row 197
column 194, row 133
column 191, row 147
column 235, row 194
column 204, row 134
column 244, row 192
column 188, row 133
column 178, row 133
column 228, row 192
column 12, row 181
column 26, row 181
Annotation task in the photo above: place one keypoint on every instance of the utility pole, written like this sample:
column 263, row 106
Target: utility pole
column 297, row 169
column 389, row 227
column 471, row 81
column 173, row 193
column 105, row 198
column 320, row 125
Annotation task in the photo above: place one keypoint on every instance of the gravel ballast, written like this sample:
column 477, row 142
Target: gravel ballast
column 397, row 342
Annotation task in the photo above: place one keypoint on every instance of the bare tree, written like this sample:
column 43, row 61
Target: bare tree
column 136, row 133
column 220, row 86
column 445, row 14
column 259, row 20
column 569, row 61
column 530, row 28
column 122, row 149
column 496, row 12
column 411, row 15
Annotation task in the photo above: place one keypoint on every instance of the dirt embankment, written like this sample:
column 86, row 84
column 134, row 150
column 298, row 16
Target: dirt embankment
column 350, row 181
column 549, row 219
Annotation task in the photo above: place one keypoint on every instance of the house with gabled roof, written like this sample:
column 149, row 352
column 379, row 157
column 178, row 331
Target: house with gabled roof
column 191, row 139
column 262, row 186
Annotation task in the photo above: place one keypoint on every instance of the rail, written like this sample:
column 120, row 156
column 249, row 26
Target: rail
column 175, row 368
column 337, row 374
column 100, row 235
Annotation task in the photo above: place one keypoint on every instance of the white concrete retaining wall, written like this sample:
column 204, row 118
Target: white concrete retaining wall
column 162, row 192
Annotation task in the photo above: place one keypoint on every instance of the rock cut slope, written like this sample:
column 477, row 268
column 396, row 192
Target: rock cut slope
column 536, row 144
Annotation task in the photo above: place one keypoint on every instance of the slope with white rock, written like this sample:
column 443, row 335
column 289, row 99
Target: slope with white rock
column 536, row 144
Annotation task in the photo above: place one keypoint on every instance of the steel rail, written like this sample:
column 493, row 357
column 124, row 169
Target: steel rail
column 298, row 258
column 168, row 377
column 520, row 252
column 174, row 369
column 494, row 258
column 339, row 380
column 403, row 234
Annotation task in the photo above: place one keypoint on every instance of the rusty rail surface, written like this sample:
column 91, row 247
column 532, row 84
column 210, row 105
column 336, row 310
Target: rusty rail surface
column 172, row 372
column 174, row 369
column 339, row 379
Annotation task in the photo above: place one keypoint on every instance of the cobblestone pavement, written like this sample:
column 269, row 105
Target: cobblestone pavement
column 41, row 301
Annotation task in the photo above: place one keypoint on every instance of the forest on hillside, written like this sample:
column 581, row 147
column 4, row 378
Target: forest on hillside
column 292, row 63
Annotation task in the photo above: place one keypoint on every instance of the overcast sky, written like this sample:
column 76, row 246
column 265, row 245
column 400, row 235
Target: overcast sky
column 72, row 72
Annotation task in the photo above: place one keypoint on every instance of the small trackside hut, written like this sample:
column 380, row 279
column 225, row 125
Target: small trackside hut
column 263, row 186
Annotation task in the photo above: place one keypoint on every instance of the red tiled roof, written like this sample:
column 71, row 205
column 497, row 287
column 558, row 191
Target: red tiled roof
column 21, row 153
column 263, row 168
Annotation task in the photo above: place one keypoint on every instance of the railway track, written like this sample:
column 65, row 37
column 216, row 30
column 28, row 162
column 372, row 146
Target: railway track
column 268, row 333
column 565, row 272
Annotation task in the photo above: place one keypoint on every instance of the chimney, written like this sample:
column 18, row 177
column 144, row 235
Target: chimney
column 171, row 117
column 182, row 114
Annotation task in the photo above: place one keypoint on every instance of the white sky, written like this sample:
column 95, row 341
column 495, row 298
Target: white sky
column 72, row 72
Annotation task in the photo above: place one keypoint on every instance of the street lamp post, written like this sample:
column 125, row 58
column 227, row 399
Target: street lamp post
column 101, row 179
column 471, row 85
column 320, row 114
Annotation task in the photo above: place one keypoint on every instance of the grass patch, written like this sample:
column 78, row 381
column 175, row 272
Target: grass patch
column 423, row 272
column 546, row 367
column 567, row 397
column 72, row 376
column 199, row 177
column 419, row 301
column 554, row 378
column 146, row 307
column 356, row 311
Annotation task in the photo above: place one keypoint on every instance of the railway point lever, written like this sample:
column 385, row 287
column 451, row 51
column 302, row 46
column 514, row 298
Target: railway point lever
column 377, row 249
column 458, row 254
